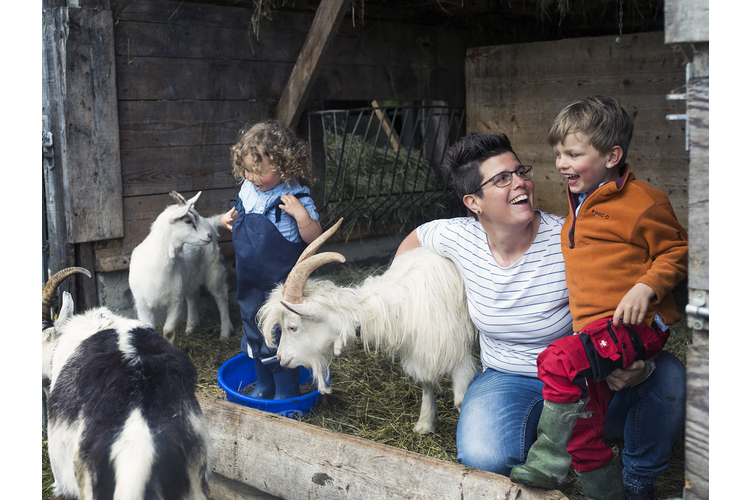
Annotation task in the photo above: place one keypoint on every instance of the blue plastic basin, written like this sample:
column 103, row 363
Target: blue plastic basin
column 239, row 371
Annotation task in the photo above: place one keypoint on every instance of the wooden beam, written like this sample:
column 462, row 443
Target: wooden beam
column 290, row 459
column 387, row 128
column 324, row 26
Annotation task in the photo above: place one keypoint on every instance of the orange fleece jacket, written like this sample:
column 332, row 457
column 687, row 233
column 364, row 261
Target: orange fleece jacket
column 626, row 232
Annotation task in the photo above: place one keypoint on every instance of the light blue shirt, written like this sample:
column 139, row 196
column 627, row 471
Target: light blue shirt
column 258, row 202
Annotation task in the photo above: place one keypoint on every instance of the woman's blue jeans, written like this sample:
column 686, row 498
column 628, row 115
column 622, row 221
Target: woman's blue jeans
column 500, row 412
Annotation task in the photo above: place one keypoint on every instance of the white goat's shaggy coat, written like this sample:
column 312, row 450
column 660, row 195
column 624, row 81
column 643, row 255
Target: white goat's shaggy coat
column 179, row 255
column 416, row 311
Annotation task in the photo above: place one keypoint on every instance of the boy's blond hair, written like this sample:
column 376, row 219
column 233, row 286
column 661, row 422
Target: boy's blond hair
column 288, row 155
column 600, row 118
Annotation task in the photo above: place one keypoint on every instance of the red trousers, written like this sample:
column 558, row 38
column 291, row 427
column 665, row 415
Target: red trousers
column 576, row 366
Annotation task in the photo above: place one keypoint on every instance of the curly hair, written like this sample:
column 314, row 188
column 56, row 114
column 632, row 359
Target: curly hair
column 288, row 155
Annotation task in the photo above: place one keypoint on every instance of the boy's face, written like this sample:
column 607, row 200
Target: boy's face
column 582, row 166
column 266, row 180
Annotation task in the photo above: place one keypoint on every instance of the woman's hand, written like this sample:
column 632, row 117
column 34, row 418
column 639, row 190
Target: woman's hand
column 626, row 377
column 228, row 219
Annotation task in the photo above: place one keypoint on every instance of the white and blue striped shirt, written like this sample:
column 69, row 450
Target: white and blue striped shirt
column 518, row 310
column 257, row 202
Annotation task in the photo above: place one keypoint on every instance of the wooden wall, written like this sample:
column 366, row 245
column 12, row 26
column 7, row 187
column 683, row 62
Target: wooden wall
column 190, row 75
column 518, row 90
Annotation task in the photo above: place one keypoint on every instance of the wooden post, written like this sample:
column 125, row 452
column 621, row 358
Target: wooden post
column 322, row 32
column 686, row 21
column 83, row 179
column 290, row 459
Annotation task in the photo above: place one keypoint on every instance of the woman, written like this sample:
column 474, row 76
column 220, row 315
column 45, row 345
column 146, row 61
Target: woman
column 510, row 258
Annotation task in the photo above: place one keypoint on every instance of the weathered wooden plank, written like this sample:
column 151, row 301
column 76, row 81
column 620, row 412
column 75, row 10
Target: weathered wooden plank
column 54, row 21
column 154, row 78
column 319, row 39
column 518, row 90
column 375, row 43
column 150, row 124
column 191, row 79
column 291, row 460
column 685, row 21
column 182, row 13
column 90, row 144
column 149, row 171
column 696, row 424
column 698, row 113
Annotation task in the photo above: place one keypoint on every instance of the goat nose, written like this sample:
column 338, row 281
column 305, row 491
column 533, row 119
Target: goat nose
column 210, row 237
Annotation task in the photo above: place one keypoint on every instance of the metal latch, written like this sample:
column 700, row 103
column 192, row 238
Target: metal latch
column 696, row 310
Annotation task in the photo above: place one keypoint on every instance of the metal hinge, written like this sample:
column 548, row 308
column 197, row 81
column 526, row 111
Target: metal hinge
column 683, row 97
column 697, row 310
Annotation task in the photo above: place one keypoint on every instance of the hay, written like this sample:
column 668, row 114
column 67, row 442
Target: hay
column 374, row 186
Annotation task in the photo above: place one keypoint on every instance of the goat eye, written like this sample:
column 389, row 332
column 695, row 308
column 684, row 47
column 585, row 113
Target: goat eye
column 292, row 329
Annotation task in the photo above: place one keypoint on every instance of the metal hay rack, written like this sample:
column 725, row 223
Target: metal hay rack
column 380, row 166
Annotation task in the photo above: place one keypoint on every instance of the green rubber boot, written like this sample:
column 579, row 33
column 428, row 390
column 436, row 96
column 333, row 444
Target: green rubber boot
column 604, row 483
column 548, row 461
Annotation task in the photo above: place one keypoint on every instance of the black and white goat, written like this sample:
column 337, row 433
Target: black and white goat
column 168, row 268
column 123, row 420
column 416, row 311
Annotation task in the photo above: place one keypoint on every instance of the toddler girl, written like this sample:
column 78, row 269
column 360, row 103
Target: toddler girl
column 272, row 221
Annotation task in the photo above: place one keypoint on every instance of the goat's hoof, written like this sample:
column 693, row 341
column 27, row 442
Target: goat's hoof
column 421, row 428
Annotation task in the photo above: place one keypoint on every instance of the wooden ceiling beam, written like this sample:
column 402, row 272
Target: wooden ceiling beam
column 322, row 32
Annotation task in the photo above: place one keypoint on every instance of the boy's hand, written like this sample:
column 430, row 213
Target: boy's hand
column 227, row 220
column 633, row 307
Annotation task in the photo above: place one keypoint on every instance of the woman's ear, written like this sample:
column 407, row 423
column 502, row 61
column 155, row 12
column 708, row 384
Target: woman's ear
column 470, row 201
column 614, row 157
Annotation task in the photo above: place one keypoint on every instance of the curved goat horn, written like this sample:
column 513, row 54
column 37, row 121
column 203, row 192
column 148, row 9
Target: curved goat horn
column 307, row 263
column 48, row 290
column 313, row 247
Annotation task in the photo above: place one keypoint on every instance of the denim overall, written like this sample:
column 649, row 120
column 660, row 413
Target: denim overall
column 264, row 258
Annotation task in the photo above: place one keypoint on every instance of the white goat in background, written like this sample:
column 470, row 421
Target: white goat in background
column 416, row 311
column 179, row 255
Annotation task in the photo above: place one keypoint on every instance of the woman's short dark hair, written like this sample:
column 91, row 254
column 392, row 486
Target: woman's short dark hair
column 461, row 164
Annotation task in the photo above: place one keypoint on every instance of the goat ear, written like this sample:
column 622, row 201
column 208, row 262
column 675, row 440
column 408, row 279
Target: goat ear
column 66, row 310
column 298, row 309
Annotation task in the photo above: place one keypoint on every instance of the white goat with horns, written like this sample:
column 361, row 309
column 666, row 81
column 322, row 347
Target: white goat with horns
column 179, row 255
column 416, row 311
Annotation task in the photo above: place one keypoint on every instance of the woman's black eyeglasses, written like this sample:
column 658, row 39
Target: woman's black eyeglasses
column 503, row 179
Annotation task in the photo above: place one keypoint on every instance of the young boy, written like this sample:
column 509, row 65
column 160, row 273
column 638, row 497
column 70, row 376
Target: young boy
column 624, row 252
